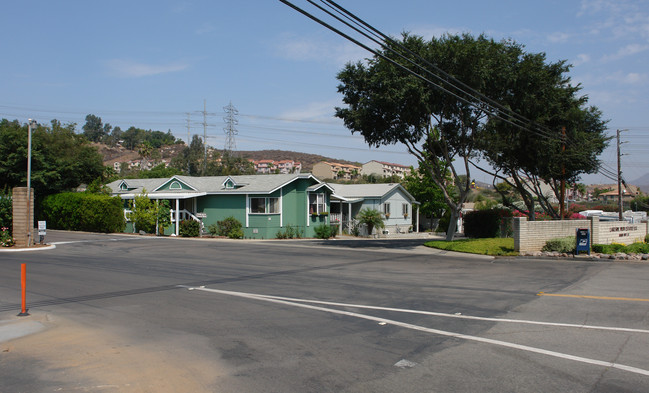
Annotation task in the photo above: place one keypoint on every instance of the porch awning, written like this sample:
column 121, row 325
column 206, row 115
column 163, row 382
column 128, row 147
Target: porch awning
column 166, row 195
column 339, row 198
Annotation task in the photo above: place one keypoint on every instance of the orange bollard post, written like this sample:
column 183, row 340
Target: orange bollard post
column 23, row 282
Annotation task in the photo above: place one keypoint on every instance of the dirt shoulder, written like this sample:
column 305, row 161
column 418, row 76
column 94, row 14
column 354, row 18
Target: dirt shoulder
column 69, row 357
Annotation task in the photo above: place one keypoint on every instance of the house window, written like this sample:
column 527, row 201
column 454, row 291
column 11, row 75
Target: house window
column 404, row 209
column 273, row 205
column 264, row 205
column 229, row 184
column 317, row 203
column 175, row 186
column 386, row 209
column 258, row 205
column 123, row 187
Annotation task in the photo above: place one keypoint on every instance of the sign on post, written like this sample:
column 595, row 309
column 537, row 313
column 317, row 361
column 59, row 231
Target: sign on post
column 42, row 229
column 583, row 240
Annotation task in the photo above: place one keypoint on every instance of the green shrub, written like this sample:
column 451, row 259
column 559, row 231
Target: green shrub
column 608, row 248
column 484, row 224
column 84, row 212
column 324, row 231
column 646, row 238
column 189, row 228
column 6, row 239
column 230, row 227
column 289, row 232
column 563, row 244
column 637, row 248
column 444, row 222
column 6, row 211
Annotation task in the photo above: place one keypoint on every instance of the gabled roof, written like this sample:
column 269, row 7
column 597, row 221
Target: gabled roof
column 368, row 191
column 192, row 186
column 318, row 186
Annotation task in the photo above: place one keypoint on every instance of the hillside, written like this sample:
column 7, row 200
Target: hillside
column 120, row 154
column 643, row 183
column 306, row 159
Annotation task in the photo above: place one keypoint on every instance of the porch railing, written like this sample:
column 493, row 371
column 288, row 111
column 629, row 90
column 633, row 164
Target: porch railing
column 186, row 215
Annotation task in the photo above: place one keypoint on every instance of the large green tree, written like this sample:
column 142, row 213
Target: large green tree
column 439, row 126
column 94, row 129
column 190, row 159
column 562, row 136
column 422, row 187
column 61, row 159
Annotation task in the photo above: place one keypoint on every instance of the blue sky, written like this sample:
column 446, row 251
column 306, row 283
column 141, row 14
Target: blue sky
column 149, row 63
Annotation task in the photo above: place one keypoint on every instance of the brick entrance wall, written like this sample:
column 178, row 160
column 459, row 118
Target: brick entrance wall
column 20, row 222
column 531, row 236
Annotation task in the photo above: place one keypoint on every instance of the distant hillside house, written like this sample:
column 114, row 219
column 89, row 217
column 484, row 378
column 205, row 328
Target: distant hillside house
column 277, row 167
column 335, row 170
column 264, row 204
column 628, row 193
column 385, row 169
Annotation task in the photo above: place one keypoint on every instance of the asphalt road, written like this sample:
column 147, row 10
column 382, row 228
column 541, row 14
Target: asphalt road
column 145, row 314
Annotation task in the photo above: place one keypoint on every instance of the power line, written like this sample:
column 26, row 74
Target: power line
column 473, row 101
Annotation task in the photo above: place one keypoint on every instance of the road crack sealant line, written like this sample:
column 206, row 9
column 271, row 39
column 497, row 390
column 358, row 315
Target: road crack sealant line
column 300, row 303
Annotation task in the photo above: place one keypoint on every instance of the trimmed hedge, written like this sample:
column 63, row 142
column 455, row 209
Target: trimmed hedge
column 561, row 244
column 75, row 211
column 484, row 224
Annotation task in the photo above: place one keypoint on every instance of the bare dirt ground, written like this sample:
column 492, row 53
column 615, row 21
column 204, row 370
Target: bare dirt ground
column 69, row 357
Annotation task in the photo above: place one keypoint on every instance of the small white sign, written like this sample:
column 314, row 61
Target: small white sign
column 42, row 228
column 201, row 215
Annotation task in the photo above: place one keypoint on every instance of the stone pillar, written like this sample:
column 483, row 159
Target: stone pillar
column 520, row 234
column 594, row 230
column 22, row 223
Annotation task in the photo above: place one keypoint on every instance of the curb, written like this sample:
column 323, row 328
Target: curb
column 27, row 249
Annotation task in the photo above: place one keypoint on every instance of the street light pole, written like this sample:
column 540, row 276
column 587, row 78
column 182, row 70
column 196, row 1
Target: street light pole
column 31, row 123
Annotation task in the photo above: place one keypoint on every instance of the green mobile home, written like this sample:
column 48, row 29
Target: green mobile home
column 264, row 204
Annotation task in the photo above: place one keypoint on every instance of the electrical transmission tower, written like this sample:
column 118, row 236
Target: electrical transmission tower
column 230, row 131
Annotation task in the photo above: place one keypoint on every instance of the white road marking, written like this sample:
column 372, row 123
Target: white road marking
column 107, row 240
column 296, row 303
column 460, row 316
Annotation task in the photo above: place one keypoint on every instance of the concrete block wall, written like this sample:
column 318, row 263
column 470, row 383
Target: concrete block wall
column 531, row 236
column 21, row 223
column 621, row 232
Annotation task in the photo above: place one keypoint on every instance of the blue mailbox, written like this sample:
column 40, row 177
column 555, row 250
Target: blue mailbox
column 583, row 240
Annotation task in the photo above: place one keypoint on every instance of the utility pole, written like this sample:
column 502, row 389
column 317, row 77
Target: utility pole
column 230, row 130
column 619, row 178
column 562, row 202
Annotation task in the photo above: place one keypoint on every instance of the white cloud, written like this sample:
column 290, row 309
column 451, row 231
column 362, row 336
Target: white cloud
column 628, row 50
column 629, row 78
column 323, row 111
column 581, row 59
column 617, row 19
column 558, row 37
column 437, row 31
column 205, row 28
column 131, row 69
column 338, row 52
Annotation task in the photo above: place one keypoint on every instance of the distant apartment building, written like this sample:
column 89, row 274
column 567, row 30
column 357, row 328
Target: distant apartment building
column 271, row 166
column 335, row 170
column 385, row 169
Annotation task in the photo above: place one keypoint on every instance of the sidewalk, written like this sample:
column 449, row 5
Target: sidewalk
column 12, row 327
